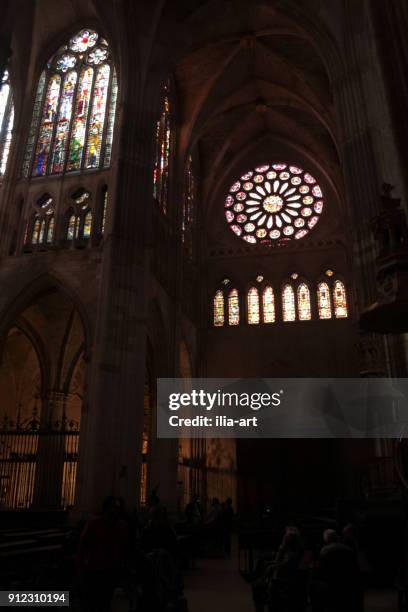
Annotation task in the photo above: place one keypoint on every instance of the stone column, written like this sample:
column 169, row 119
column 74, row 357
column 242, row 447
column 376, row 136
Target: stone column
column 112, row 421
column 50, row 453
column 390, row 22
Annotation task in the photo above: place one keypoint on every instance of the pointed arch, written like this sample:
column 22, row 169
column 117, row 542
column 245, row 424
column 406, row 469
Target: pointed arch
column 288, row 303
column 218, row 309
column 303, row 297
column 233, row 308
column 324, row 301
column 268, row 305
column 26, row 294
column 253, row 306
column 74, row 110
column 87, row 230
column 340, row 300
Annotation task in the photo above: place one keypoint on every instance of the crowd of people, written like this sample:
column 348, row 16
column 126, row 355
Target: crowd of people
column 141, row 555
column 215, row 528
column 118, row 551
column 330, row 580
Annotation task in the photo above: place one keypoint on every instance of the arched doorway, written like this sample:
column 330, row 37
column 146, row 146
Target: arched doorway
column 42, row 375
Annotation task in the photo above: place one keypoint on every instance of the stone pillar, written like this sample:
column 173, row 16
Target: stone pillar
column 390, row 22
column 50, row 453
column 5, row 29
column 110, row 447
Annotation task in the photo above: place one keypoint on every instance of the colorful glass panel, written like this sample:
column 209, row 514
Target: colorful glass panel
column 218, row 309
column 271, row 207
column 340, row 300
column 84, row 40
column 50, row 230
column 233, row 307
column 34, row 126
column 303, row 293
column 72, row 135
column 104, row 210
column 188, row 204
column 88, row 224
column 4, row 98
column 288, row 303
column 47, row 126
column 323, row 301
column 253, row 306
column 268, row 305
column 97, row 122
column 161, row 168
column 111, row 122
column 42, row 232
column 63, row 123
column 36, row 231
column 77, row 142
column 65, row 62
column 5, row 143
column 71, row 227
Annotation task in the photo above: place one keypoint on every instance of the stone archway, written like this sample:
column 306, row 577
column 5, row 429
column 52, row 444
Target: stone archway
column 42, row 374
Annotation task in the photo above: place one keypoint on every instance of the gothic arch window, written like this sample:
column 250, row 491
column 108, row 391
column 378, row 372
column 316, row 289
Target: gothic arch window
column 74, row 110
column 79, row 217
column 340, row 300
column 288, row 303
column 274, row 203
column 233, row 308
column 218, row 306
column 253, row 306
column 268, row 305
column 41, row 226
column 324, row 301
column 162, row 157
column 6, row 121
column 303, row 302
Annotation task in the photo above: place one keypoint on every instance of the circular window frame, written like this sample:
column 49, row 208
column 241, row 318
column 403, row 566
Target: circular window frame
column 274, row 204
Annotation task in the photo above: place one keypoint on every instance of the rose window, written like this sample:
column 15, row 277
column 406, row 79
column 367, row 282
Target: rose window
column 273, row 204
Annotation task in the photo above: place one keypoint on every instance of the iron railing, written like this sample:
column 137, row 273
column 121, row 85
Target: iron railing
column 38, row 464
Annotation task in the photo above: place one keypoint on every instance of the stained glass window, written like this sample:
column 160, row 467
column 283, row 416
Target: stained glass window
column 274, row 203
column 323, row 301
column 34, row 125
column 79, row 217
column 104, row 209
column 47, row 126
column 6, row 121
column 340, row 300
column 219, row 309
column 36, row 230
column 42, row 222
column 268, row 303
column 303, row 295
column 111, row 122
column 73, row 121
column 63, row 122
column 253, row 306
column 161, row 165
column 71, row 227
column 97, row 120
column 288, row 303
column 233, row 307
column 188, row 204
column 50, row 231
column 87, row 224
